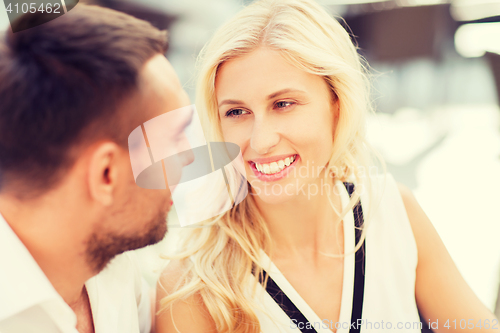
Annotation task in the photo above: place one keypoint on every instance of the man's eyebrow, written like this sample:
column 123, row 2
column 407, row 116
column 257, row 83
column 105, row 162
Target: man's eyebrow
column 271, row 96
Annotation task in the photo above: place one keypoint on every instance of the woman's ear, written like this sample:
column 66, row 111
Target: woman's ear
column 103, row 173
column 336, row 108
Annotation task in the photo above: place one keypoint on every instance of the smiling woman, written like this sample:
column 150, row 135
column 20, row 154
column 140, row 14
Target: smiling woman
column 290, row 115
column 320, row 244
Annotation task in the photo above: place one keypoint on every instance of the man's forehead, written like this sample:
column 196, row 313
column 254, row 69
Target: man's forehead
column 159, row 76
column 160, row 87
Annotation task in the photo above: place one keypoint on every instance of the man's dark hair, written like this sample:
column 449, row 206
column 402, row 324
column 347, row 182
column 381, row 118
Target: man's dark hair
column 62, row 83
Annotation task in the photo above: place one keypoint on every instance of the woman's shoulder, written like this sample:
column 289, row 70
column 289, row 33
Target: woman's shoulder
column 378, row 189
column 385, row 203
column 185, row 313
column 385, row 187
column 378, row 180
column 370, row 180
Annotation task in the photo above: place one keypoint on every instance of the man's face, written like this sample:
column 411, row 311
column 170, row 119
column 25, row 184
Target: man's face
column 138, row 218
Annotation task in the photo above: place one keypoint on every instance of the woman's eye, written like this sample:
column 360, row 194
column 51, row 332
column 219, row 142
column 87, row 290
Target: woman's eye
column 283, row 104
column 235, row 113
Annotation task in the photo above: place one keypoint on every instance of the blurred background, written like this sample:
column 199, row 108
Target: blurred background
column 435, row 68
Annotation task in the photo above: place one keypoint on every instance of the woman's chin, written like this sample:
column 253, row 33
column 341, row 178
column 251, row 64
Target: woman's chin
column 273, row 194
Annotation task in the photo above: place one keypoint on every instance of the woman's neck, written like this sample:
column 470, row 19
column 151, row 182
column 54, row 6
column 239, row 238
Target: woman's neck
column 303, row 225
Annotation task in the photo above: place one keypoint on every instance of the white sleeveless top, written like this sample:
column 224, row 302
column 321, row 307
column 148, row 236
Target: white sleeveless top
column 390, row 266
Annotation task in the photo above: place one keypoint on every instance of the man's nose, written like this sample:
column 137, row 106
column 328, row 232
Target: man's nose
column 185, row 152
column 264, row 135
column 187, row 157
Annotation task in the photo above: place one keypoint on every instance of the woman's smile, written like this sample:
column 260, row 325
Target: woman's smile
column 273, row 168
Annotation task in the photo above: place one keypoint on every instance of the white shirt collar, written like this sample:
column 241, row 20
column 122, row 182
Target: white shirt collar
column 22, row 282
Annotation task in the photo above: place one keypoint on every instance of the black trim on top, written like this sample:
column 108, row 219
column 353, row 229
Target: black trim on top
column 359, row 281
column 359, row 270
column 286, row 303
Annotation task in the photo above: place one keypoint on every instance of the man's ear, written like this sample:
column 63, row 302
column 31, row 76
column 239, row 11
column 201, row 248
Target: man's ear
column 103, row 172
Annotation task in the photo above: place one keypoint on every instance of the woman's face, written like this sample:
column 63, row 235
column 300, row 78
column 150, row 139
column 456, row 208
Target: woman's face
column 283, row 120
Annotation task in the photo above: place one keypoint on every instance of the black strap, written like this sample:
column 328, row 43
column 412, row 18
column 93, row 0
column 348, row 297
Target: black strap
column 286, row 303
column 359, row 270
column 359, row 282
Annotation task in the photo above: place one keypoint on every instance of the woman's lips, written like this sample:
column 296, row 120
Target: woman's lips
column 276, row 176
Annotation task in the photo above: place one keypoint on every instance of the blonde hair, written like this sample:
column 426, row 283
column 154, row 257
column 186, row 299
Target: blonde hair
column 225, row 252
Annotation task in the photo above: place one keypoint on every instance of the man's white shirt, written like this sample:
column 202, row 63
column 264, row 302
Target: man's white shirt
column 119, row 297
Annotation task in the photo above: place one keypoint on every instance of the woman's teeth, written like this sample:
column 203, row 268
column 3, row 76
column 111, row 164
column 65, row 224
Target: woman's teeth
column 275, row 167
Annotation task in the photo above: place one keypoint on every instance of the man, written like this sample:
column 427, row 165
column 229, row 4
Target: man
column 71, row 92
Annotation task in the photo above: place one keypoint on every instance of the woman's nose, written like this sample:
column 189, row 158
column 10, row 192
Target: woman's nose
column 264, row 135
